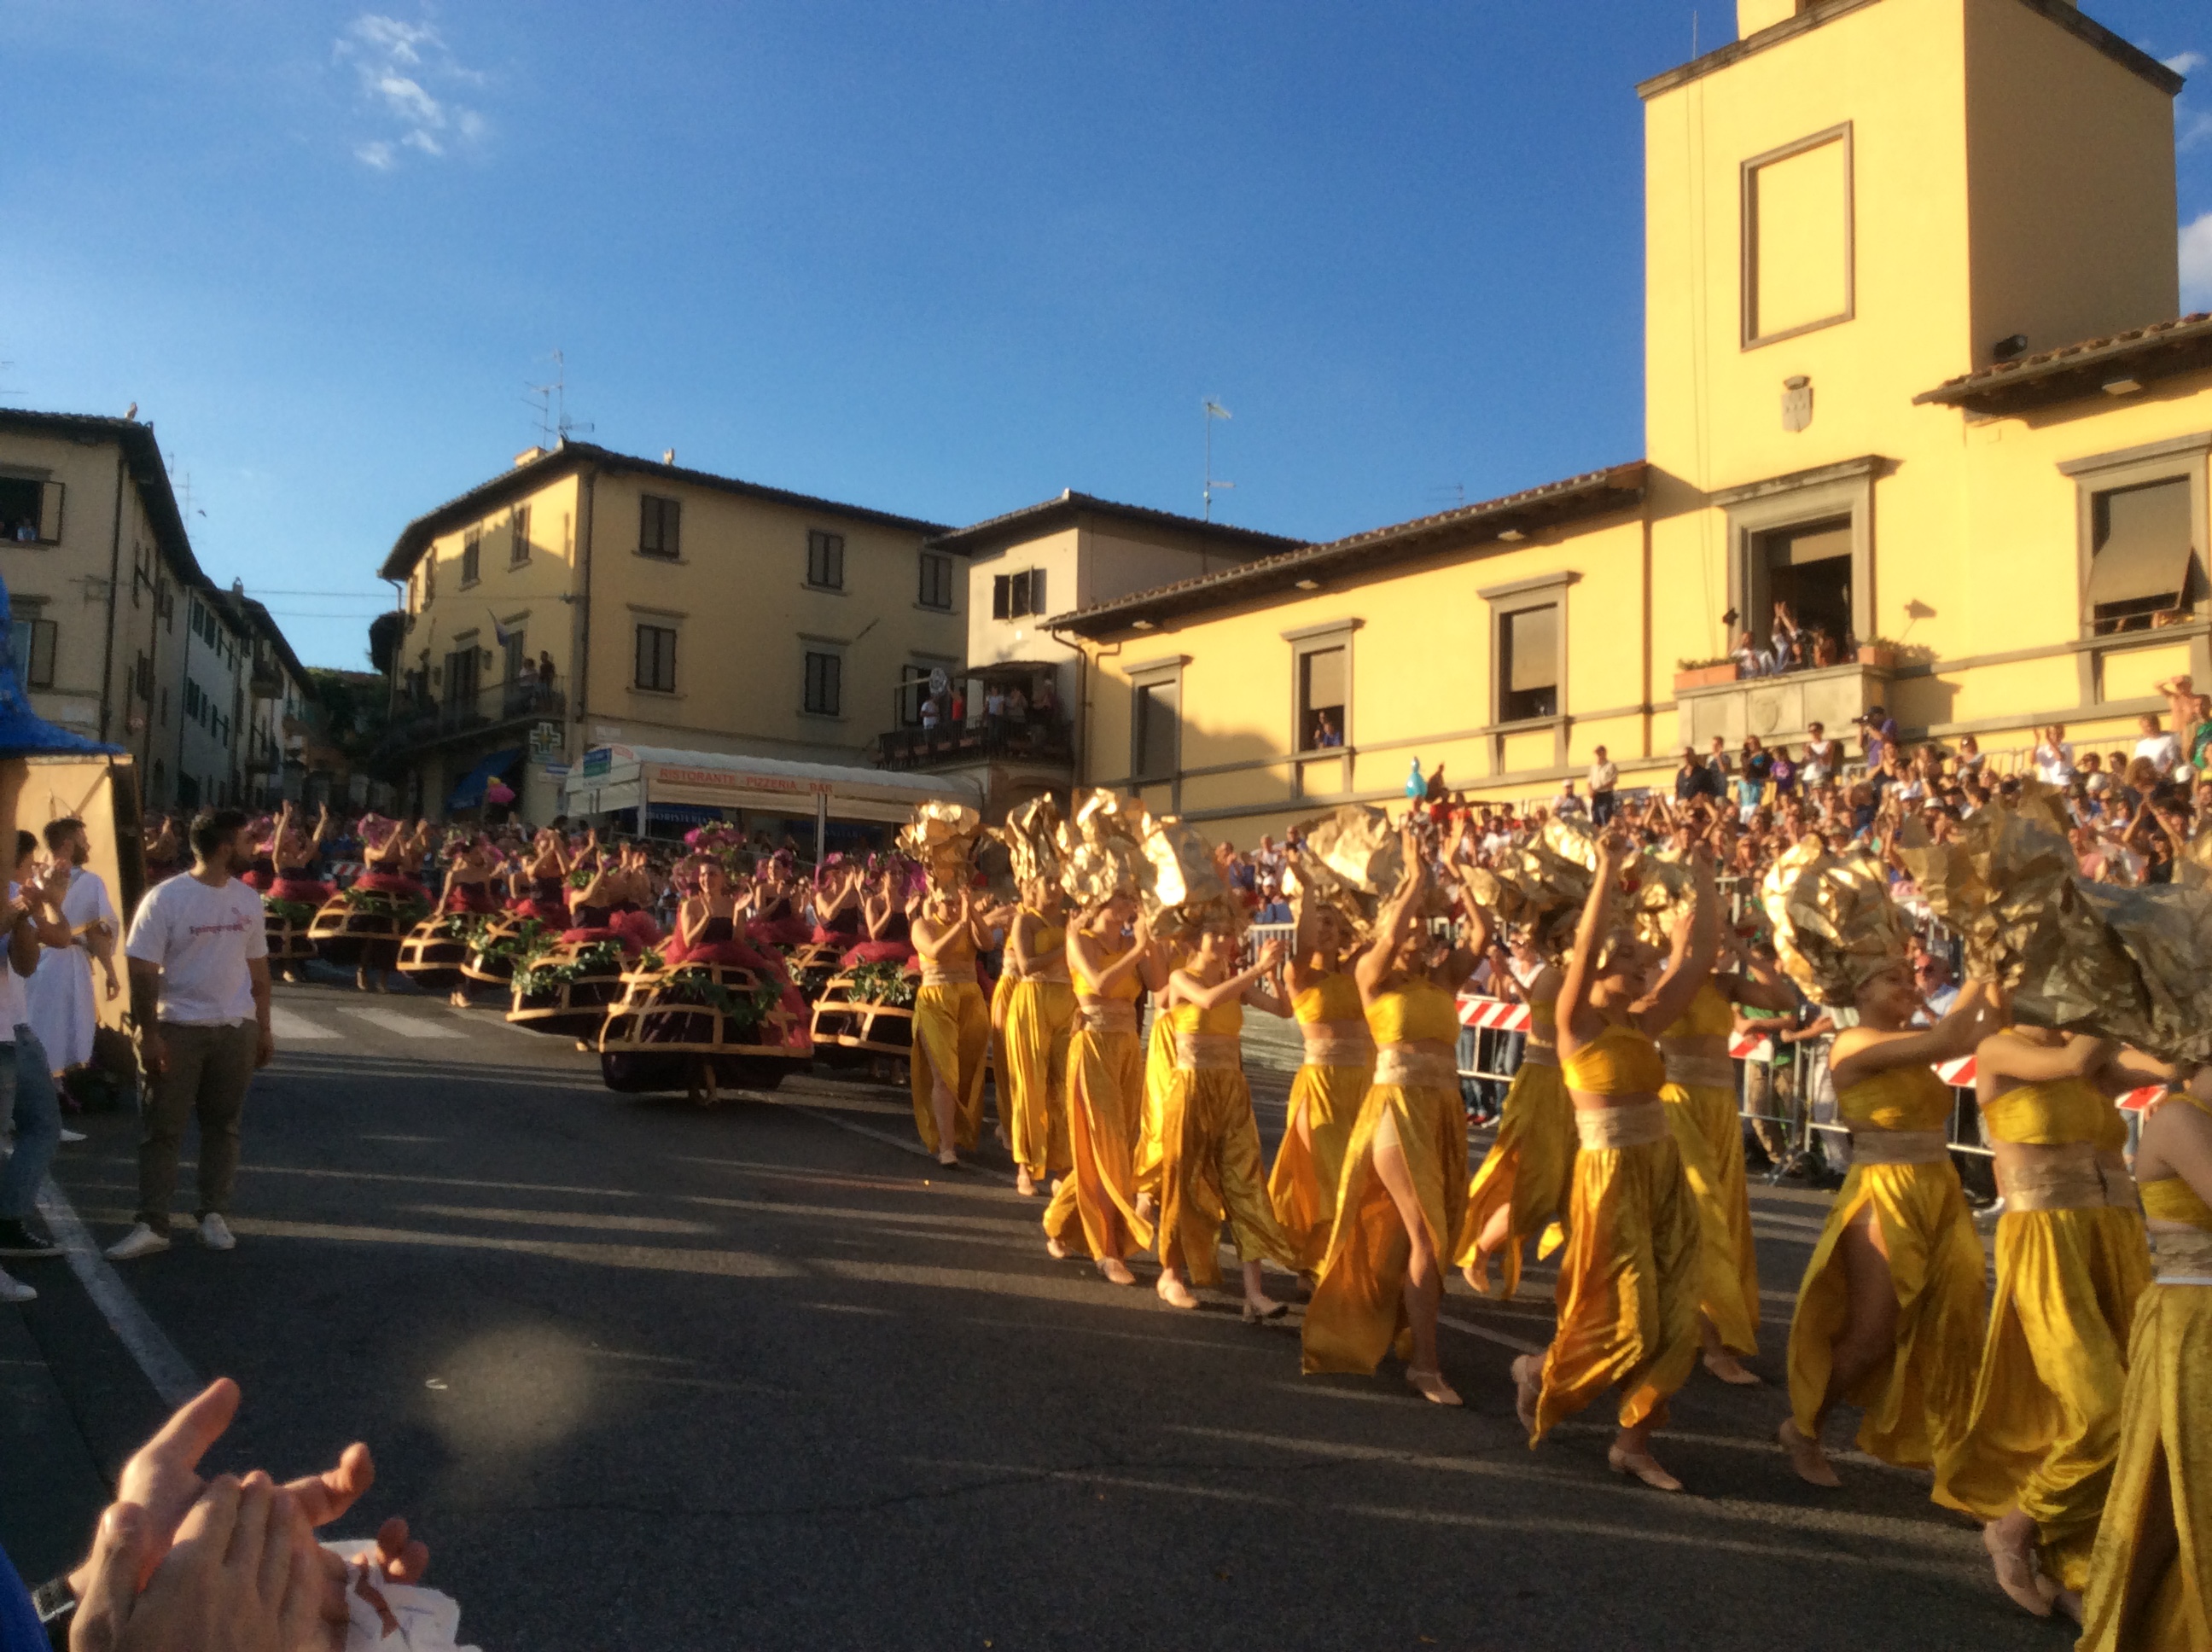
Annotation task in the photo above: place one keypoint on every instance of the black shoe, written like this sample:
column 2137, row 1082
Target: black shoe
column 19, row 1240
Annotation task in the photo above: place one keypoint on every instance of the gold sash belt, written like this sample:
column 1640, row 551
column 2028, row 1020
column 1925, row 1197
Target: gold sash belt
column 1412, row 1069
column 1208, row 1051
column 1872, row 1146
column 1706, row 1071
column 1632, row 1126
column 1051, row 972
column 2180, row 1254
column 1111, row 1015
column 1337, row 1044
column 947, row 974
column 2071, row 1176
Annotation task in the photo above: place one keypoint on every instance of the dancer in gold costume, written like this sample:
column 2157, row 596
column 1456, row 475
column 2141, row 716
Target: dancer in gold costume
column 1112, row 960
column 1889, row 1315
column 1172, row 953
column 951, row 1025
column 2150, row 1572
column 1521, row 1189
column 1331, row 1083
column 2072, row 1260
column 1039, row 1024
column 1701, row 1105
column 1210, row 1164
column 1628, row 1281
column 1404, row 1187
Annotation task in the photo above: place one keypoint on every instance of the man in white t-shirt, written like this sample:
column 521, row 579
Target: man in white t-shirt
column 196, row 943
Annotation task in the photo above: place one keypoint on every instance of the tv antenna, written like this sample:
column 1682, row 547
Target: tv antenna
column 183, row 485
column 551, row 401
column 1213, row 410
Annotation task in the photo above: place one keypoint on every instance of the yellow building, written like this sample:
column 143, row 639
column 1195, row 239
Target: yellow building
column 678, row 611
column 1912, row 366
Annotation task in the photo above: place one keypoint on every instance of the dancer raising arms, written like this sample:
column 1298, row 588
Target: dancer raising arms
column 2150, row 1572
column 951, row 1025
column 1331, row 1083
column 1522, row 1189
column 1889, row 1316
column 1628, row 1280
column 1404, row 1186
column 2071, row 1261
column 1210, row 1163
column 1113, row 961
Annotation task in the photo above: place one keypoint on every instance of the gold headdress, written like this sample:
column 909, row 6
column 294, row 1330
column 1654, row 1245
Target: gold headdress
column 1031, row 835
column 1666, row 892
column 1835, row 926
column 943, row 837
column 2076, row 956
column 1541, row 885
column 1102, row 850
column 1348, row 860
column 1184, row 890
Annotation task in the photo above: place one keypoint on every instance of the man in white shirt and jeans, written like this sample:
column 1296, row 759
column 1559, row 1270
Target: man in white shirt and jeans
column 196, row 943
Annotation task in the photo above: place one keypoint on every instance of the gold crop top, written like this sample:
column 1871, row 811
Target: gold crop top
column 1333, row 998
column 2050, row 1114
column 1419, row 1010
column 1048, row 941
column 1129, row 987
column 1709, row 1016
column 2170, row 1198
column 1618, row 1061
column 1222, row 1021
column 1898, row 1098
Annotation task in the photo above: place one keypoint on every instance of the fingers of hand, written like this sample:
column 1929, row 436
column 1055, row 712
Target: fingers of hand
column 289, row 1538
column 249, row 1537
column 326, row 1496
column 305, row 1598
column 119, row 1556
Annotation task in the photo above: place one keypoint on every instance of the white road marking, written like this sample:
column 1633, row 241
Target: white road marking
column 292, row 1027
column 169, row 1371
column 407, row 1026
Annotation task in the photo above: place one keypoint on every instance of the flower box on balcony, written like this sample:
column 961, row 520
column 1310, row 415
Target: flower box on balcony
column 1705, row 677
column 1880, row 655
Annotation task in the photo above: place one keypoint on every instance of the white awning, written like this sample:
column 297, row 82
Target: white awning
column 616, row 777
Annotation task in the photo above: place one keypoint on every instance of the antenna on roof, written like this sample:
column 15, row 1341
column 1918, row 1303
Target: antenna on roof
column 551, row 401
column 1213, row 410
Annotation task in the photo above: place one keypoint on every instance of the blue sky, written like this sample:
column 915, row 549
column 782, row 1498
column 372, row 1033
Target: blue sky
column 945, row 260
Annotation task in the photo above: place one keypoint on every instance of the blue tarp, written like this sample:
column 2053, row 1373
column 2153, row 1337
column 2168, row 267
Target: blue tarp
column 470, row 792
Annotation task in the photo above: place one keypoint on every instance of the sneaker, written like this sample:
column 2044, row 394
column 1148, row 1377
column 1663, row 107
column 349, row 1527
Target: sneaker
column 214, row 1233
column 14, row 1289
column 72, row 1135
column 18, row 1238
column 141, row 1240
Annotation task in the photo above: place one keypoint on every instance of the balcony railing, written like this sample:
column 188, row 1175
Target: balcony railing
column 416, row 721
column 981, row 741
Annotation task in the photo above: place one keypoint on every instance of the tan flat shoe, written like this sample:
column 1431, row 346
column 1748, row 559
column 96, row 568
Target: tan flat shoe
column 1644, row 1466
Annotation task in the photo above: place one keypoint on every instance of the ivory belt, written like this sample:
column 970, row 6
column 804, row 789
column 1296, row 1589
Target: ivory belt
column 1706, row 1071
column 1632, row 1126
column 1326, row 1052
column 1209, row 1052
column 947, row 974
column 1051, row 973
column 2180, row 1254
column 2070, row 1176
column 1412, row 1069
column 1871, row 1146
column 1111, row 1015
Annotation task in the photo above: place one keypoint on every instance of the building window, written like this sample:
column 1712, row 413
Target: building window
column 1806, row 566
column 1323, row 677
column 656, row 657
column 1796, row 237
column 1528, row 664
column 471, row 555
column 825, row 560
column 1014, row 596
column 824, row 692
column 936, row 580
column 1155, row 730
column 30, row 511
column 518, row 543
column 913, row 689
column 660, row 527
column 2142, row 563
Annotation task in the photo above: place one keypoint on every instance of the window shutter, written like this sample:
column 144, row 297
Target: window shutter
column 1018, row 599
column 50, row 513
column 1001, row 595
column 1036, row 590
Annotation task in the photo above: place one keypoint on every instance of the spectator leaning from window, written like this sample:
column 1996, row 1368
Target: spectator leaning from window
column 199, row 993
column 1327, row 734
column 2159, row 747
column 1604, row 776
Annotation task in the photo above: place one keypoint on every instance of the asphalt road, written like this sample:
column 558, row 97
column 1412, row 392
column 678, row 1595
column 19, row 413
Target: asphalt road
column 651, row 1376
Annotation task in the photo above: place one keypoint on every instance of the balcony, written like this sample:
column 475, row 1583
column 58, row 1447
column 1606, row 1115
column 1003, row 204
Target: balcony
column 982, row 741
column 1782, row 707
column 496, row 707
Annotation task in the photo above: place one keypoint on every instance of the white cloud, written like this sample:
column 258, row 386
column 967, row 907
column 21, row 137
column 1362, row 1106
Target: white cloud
column 2184, row 63
column 2196, row 264
column 405, row 79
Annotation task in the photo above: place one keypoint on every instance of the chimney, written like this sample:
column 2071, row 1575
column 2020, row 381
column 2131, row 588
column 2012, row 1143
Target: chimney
column 528, row 456
column 668, row 456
